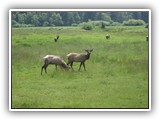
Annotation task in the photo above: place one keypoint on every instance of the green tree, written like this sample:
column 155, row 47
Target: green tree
column 136, row 15
column 121, row 16
column 89, row 16
column 35, row 20
column 21, row 18
column 76, row 18
column 58, row 20
column 55, row 19
column 46, row 23
column 64, row 17
column 105, row 17
column 14, row 22
column 145, row 16
column 28, row 18
column 15, row 16
column 69, row 18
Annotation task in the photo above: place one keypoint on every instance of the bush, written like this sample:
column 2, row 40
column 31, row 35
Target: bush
column 14, row 22
column 116, row 24
column 22, row 25
column 74, row 25
column 103, row 25
column 46, row 23
column 146, row 25
column 133, row 22
column 86, row 26
column 99, row 23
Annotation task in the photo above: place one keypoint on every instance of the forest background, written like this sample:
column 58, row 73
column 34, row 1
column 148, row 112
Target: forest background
column 52, row 18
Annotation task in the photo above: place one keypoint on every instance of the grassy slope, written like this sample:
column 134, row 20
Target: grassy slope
column 116, row 76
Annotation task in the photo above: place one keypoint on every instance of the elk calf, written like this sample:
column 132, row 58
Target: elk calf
column 78, row 57
column 53, row 59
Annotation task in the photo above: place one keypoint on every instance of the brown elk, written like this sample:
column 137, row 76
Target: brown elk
column 53, row 59
column 78, row 57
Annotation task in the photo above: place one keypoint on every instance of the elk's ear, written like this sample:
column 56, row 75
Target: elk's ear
column 91, row 50
column 85, row 50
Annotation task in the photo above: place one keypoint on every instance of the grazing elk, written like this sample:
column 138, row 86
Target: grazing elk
column 53, row 59
column 78, row 57
column 56, row 38
column 147, row 38
column 107, row 36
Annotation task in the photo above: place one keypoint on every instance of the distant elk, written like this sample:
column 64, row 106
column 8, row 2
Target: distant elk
column 53, row 59
column 147, row 38
column 107, row 36
column 78, row 57
column 56, row 38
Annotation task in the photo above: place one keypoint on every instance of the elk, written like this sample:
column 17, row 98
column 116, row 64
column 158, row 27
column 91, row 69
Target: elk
column 147, row 38
column 53, row 59
column 78, row 57
column 56, row 38
column 107, row 36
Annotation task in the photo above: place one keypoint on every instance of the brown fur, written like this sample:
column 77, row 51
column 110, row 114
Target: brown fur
column 53, row 59
column 78, row 57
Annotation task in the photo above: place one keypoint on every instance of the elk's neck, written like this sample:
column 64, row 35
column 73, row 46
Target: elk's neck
column 88, row 56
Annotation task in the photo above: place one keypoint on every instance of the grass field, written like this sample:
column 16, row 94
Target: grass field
column 116, row 76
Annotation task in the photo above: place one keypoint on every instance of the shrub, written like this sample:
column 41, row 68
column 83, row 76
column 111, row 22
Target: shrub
column 53, row 25
column 116, row 24
column 99, row 23
column 14, row 22
column 133, row 22
column 146, row 25
column 22, row 25
column 103, row 25
column 74, row 25
column 86, row 26
column 46, row 23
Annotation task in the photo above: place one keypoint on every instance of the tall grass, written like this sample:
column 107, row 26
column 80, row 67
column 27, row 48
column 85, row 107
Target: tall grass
column 116, row 76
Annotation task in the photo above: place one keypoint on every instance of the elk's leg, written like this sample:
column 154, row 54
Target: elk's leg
column 80, row 66
column 68, row 62
column 56, row 67
column 72, row 65
column 44, row 67
column 84, row 66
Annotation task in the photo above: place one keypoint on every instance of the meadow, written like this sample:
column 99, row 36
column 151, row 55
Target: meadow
column 116, row 76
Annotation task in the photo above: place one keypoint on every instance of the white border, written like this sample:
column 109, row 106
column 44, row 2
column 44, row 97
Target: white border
column 10, row 72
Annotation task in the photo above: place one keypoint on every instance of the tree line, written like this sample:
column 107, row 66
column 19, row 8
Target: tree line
column 33, row 18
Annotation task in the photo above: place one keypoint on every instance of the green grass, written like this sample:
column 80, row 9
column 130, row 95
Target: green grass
column 116, row 76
